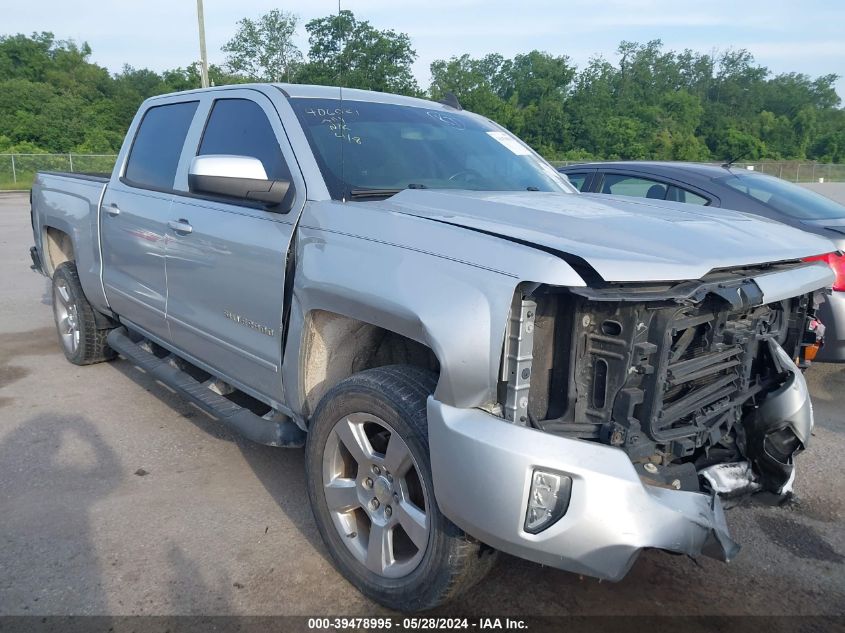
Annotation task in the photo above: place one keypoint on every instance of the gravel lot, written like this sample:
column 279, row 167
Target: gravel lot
column 116, row 497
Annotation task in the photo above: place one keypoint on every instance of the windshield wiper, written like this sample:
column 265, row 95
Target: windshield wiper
column 372, row 193
column 355, row 194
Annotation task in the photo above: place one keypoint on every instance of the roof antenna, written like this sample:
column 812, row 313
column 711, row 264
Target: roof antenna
column 449, row 99
column 731, row 161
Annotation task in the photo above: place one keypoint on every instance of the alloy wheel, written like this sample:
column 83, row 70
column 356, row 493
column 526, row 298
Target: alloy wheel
column 67, row 316
column 376, row 497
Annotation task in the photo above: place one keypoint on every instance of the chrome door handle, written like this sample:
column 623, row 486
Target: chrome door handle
column 113, row 210
column 180, row 226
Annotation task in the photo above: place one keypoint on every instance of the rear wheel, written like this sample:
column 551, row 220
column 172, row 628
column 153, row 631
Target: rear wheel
column 371, row 490
column 82, row 341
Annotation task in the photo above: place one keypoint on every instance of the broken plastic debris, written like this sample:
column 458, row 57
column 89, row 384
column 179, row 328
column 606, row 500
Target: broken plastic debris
column 731, row 479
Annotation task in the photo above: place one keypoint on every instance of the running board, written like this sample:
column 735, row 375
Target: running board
column 270, row 432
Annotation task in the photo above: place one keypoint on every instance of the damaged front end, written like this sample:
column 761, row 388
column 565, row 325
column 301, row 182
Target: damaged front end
column 682, row 377
column 626, row 411
column 696, row 382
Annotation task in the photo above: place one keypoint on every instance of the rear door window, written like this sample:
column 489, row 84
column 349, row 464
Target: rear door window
column 677, row 194
column 240, row 127
column 158, row 145
column 624, row 185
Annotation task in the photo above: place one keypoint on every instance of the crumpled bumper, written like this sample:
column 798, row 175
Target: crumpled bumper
column 781, row 427
column 482, row 470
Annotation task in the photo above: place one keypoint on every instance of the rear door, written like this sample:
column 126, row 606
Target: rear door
column 134, row 215
column 226, row 276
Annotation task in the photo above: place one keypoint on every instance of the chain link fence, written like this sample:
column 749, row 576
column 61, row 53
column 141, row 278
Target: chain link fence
column 17, row 171
column 796, row 171
column 791, row 170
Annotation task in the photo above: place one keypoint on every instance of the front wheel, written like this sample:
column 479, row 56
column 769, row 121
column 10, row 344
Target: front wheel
column 370, row 486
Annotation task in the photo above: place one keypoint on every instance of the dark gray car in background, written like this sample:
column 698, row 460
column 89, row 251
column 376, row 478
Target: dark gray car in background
column 740, row 190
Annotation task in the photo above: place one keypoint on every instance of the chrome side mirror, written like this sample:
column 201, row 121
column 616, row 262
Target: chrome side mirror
column 240, row 177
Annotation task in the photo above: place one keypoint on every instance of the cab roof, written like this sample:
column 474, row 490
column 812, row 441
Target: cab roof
column 308, row 91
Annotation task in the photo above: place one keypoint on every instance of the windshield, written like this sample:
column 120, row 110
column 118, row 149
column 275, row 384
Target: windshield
column 785, row 197
column 388, row 147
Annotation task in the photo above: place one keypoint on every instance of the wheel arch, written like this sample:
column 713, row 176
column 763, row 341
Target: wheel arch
column 335, row 346
column 58, row 248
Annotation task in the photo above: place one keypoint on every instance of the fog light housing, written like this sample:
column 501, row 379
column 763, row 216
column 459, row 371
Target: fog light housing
column 548, row 499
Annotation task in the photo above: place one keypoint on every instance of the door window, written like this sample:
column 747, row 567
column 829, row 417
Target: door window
column 622, row 185
column 158, row 145
column 577, row 179
column 240, row 127
column 676, row 194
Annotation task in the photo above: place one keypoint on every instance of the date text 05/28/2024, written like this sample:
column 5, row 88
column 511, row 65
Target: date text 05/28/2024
column 417, row 623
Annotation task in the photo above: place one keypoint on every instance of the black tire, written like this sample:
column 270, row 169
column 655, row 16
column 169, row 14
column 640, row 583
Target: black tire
column 452, row 562
column 89, row 345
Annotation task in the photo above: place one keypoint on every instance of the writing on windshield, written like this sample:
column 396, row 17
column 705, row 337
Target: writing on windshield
column 385, row 147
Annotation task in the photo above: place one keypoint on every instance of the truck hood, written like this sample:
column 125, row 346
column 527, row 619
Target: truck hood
column 623, row 239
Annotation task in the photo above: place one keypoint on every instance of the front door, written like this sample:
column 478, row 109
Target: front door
column 226, row 258
column 134, row 216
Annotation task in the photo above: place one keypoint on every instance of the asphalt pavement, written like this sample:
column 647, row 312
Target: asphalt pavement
column 117, row 497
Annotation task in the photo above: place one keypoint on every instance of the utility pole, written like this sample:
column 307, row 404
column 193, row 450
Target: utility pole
column 203, row 56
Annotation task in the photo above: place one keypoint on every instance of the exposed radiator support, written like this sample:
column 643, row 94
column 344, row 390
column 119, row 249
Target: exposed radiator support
column 519, row 356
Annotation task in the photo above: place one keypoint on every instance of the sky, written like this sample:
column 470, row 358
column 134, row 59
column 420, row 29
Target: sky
column 783, row 35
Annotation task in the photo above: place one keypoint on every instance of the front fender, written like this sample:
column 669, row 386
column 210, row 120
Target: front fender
column 445, row 287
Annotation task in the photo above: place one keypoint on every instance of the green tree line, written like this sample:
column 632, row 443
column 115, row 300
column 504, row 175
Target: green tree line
column 650, row 103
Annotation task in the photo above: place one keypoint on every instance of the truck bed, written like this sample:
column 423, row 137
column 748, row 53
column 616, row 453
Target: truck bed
column 65, row 203
column 94, row 176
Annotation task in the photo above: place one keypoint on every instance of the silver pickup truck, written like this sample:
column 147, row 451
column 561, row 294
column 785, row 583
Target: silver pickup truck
column 475, row 356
